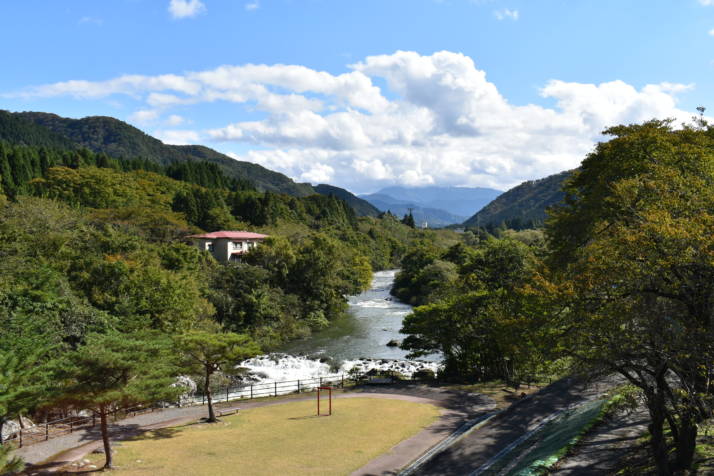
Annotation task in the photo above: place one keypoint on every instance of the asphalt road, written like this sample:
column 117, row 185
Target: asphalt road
column 469, row 454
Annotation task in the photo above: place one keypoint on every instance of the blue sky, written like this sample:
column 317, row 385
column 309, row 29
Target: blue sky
column 364, row 94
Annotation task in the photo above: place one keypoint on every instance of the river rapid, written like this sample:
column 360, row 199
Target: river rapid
column 358, row 339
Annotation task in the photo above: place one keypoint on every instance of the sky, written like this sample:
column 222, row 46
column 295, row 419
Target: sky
column 364, row 94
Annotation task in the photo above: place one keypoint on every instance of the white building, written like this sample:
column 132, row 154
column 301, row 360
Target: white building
column 227, row 246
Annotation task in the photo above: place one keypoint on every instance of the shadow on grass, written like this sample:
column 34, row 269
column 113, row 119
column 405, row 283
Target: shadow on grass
column 307, row 417
column 158, row 434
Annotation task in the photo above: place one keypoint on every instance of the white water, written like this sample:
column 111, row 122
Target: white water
column 359, row 341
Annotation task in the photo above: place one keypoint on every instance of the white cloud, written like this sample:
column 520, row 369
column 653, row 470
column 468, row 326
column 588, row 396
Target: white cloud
column 706, row 3
column 711, row 32
column 175, row 120
column 506, row 14
column 144, row 116
column 178, row 137
column 250, row 6
column 91, row 21
column 446, row 122
column 186, row 8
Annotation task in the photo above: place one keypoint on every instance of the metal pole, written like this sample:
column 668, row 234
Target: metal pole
column 20, row 437
column 276, row 388
column 251, row 391
column 227, row 391
column 343, row 380
column 330, row 413
column 298, row 386
column 47, row 431
column 320, row 381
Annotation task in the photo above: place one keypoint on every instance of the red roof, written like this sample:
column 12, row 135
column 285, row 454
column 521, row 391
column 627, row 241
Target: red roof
column 231, row 235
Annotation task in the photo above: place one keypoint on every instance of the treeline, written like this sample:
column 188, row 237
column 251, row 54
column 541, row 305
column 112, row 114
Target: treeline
column 19, row 164
column 623, row 283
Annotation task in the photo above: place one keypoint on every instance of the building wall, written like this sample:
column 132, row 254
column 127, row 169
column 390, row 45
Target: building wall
column 223, row 247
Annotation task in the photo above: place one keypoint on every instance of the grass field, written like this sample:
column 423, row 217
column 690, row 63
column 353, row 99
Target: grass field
column 276, row 440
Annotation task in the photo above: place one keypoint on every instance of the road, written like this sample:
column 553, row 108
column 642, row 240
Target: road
column 469, row 454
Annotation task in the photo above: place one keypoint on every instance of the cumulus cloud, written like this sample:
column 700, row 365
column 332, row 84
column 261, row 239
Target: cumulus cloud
column 175, row 120
column 445, row 122
column 178, row 137
column 506, row 14
column 186, row 8
column 250, row 6
column 144, row 116
column 711, row 32
column 706, row 3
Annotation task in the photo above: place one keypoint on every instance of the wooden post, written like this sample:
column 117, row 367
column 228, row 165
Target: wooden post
column 228, row 388
column 276, row 388
column 71, row 424
column 47, row 431
column 251, row 391
column 20, row 437
column 320, row 381
column 298, row 386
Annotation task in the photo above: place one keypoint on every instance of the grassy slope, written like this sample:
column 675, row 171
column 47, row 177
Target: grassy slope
column 280, row 439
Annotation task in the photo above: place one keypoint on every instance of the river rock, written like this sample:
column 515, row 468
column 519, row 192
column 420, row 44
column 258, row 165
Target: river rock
column 12, row 427
column 393, row 343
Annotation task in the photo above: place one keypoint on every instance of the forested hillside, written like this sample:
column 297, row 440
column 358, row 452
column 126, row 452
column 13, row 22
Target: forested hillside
column 361, row 207
column 120, row 140
column 523, row 206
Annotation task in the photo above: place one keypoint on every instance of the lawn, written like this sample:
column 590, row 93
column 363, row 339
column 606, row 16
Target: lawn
column 278, row 439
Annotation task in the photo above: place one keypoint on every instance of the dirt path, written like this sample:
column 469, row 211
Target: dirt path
column 57, row 453
column 470, row 453
column 599, row 452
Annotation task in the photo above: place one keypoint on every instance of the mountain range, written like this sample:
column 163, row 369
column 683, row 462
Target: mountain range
column 437, row 206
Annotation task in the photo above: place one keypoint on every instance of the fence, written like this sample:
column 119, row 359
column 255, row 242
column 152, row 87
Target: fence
column 67, row 425
column 267, row 389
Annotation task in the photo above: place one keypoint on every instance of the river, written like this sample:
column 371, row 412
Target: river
column 358, row 339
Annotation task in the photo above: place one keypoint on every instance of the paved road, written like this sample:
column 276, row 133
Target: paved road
column 474, row 450
column 600, row 451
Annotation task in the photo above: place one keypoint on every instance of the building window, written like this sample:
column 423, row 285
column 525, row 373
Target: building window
column 237, row 245
column 209, row 246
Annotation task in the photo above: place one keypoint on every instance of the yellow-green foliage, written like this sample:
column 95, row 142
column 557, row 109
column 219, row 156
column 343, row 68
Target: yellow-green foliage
column 107, row 188
column 282, row 439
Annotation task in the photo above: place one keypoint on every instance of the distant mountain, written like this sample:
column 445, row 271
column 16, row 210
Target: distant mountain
column 119, row 139
column 361, row 207
column 433, row 217
column 523, row 206
column 460, row 201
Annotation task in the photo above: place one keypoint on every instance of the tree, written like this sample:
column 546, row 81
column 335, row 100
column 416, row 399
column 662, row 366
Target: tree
column 21, row 388
column 409, row 220
column 632, row 274
column 476, row 323
column 9, row 464
column 208, row 352
column 113, row 372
